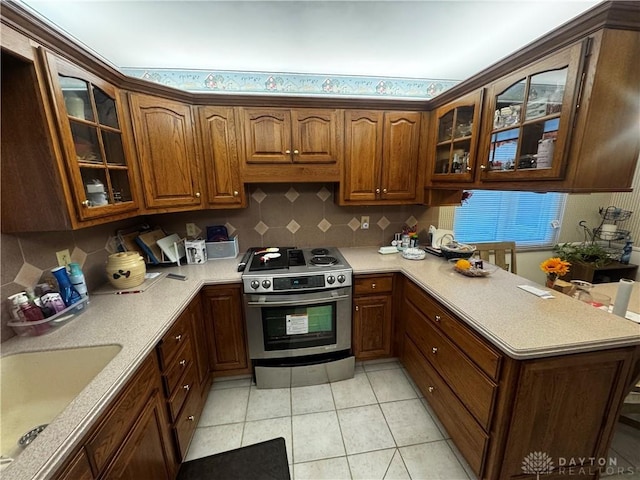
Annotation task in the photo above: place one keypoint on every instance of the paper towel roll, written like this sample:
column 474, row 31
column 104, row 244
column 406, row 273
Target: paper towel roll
column 622, row 297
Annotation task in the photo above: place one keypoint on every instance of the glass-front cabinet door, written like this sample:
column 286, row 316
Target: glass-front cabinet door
column 455, row 136
column 92, row 137
column 528, row 122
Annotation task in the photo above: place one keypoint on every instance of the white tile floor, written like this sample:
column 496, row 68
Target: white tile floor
column 374, row 426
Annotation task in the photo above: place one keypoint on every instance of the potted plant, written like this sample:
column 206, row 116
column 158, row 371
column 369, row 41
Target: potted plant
column 590, row 254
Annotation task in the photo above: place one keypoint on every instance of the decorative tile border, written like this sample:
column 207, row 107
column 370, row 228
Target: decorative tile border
column 294, row 84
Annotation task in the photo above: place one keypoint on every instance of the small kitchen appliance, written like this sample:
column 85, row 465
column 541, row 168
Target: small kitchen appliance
column 298, row 305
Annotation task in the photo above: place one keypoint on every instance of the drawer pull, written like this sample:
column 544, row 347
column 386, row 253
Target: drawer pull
column 431, row 389
column 357, row 308
column 178, row 338
column 434, row 350
column 183, row 363
column 438, row 318
column 186, row 387
column 191, row 418
column 373, row 285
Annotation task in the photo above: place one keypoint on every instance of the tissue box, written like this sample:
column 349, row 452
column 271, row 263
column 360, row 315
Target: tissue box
column 196, row 251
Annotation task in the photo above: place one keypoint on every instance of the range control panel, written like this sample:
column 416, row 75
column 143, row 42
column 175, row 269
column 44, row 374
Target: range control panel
column 288, row 283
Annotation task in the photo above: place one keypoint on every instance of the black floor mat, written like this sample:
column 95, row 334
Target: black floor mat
column 262, row 461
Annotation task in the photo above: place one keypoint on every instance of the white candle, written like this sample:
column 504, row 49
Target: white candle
column 622, row 297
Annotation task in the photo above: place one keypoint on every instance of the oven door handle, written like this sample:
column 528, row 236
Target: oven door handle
column 264, row 301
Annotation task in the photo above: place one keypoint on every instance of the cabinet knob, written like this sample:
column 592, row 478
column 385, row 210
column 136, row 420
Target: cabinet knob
column 377, row 190
column 357, row 308
column 373, row 285
column 434, row 350
column 85, row 203
column 469, row 168
column 287, row 152
column 236, row 193
column 296, row 152
column 186, row 387
column 197, row 194
column 183, row 362
column 384, row 190
column 178, row 338
column 431, row 389
column 191, row 418
column 438, row 318
column 483, row 167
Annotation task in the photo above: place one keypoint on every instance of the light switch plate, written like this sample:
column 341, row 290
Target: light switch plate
column 64, row 257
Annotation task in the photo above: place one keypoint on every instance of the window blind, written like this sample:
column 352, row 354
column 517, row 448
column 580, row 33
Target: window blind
column 530, row 219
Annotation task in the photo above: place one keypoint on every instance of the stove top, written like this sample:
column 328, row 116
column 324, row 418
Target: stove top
column 289, row 268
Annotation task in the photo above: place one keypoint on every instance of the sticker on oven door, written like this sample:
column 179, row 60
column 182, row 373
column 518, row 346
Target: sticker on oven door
column 297, row 324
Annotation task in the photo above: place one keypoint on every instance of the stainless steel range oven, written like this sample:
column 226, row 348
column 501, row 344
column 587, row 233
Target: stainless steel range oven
column 298, row 312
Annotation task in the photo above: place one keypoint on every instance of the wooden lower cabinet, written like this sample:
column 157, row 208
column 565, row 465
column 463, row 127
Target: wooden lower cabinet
column 225, row 327
column 499, row 410
column 77, row 469
column 372, row 316
column 143, row 453
column 132, row 439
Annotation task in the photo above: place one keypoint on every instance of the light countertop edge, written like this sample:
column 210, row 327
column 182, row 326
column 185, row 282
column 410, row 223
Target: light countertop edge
column 521, row 325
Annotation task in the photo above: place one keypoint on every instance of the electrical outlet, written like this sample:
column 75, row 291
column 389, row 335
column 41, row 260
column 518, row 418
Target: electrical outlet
column 64, row 257
column 364, row 223
column 192, row 230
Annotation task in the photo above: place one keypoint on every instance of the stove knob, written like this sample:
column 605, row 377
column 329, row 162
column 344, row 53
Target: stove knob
column 341, row 278
column 331, row 279
column 255, row 284
column 266, row 284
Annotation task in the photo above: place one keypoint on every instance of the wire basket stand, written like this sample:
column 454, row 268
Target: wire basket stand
column 608, row 233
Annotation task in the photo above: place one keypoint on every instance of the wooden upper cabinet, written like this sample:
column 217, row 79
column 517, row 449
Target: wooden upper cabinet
column 167, row 156
column 453, row 140
column 529, row 118
column 93, row 139
column 382, row 157
column 219, row 144
column 284, row 145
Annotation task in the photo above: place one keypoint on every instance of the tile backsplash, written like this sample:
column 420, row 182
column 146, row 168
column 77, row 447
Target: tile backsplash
column 304, row 215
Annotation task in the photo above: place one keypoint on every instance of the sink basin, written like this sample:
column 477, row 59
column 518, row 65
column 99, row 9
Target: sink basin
column 36, row 386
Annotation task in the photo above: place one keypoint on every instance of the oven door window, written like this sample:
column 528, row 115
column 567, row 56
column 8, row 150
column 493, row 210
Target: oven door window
column 290, row 327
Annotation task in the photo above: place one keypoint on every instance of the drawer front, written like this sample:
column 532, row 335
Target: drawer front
column 104, row 443
column 184, row 388
column 177, row 366
column 173, row 340
column 465, row 432
column 483, row 355
column 475, row 390
column 364, row 284
column 187, row 421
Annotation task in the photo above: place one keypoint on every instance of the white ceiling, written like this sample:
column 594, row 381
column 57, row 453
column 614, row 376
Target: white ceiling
column 431, row 39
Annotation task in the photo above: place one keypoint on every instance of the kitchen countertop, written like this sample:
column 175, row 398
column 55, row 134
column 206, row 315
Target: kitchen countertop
column 519, row 323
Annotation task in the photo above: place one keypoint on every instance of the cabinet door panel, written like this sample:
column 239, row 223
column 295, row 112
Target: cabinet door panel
column 372, row 327
column 400, row 166
column 267, row 136
column 166, row 151
column 225, row 328
column 143, row 454
column 220, row 156
column 363, row 154
column 528, row 124
column 95, row 143
column 315, row 136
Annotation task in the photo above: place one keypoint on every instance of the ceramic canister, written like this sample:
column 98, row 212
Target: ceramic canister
column 126, row 270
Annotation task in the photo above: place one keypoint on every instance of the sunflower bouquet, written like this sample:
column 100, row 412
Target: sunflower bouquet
column 554, row 267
